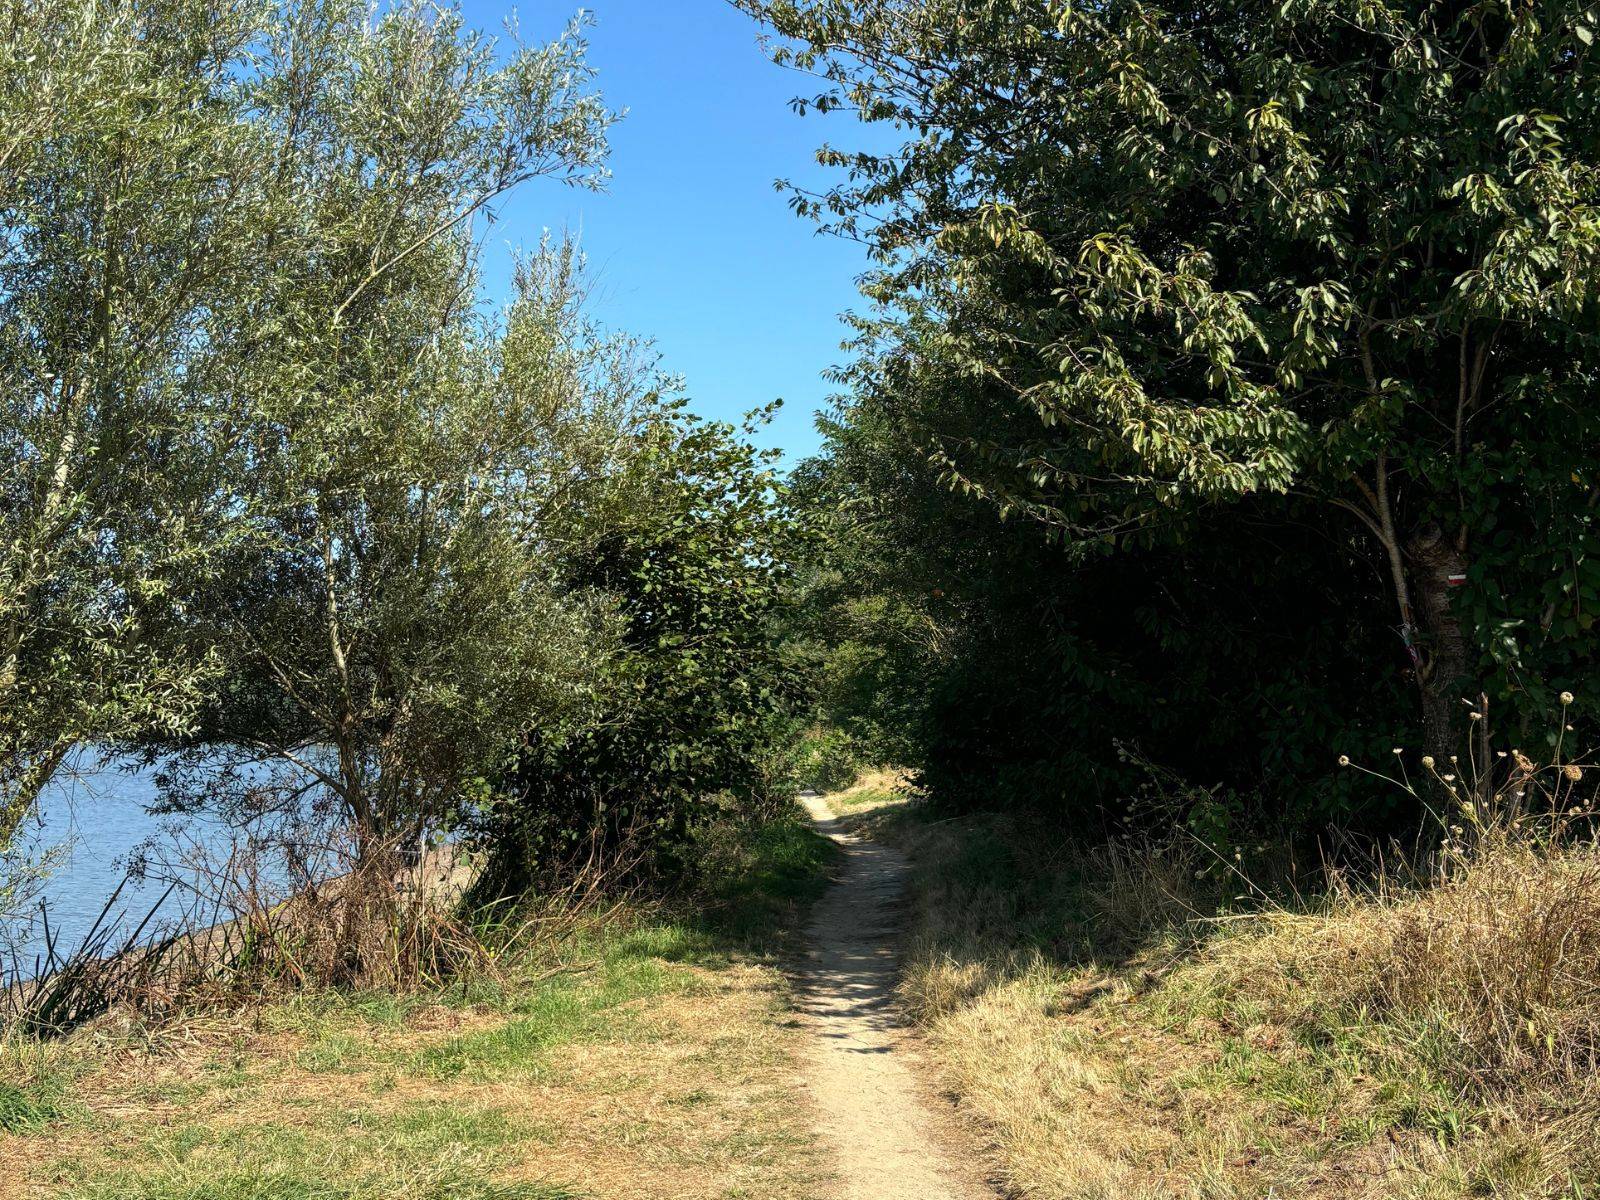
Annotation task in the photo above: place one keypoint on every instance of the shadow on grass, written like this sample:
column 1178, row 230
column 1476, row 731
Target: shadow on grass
column 750, row 901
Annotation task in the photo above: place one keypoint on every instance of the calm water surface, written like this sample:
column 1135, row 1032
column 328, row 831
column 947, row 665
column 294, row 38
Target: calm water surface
column 93, row 825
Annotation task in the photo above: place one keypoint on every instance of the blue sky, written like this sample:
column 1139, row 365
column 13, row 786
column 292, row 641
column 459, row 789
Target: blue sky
column 691, row 246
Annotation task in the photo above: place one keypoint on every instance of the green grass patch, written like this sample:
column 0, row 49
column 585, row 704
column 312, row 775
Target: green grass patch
column 36, row 1082
column 429, row 1149
column 25, row 1108
column 781, row 868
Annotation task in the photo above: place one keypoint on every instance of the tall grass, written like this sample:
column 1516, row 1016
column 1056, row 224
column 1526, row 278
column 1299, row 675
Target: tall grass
column 1496, row 965
column 1131, row 1023
column 386, row 923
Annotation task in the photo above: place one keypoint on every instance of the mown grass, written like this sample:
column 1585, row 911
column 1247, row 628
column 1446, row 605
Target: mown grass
column 418, row 1151
column 647, row 1057
column 1125, row 1037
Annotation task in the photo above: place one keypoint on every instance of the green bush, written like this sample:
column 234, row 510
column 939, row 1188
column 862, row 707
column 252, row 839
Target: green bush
column 827, row 760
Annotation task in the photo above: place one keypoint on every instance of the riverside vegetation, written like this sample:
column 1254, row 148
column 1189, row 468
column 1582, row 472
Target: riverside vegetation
column 1205, row 531
column 362, row 563
column 639, row 1053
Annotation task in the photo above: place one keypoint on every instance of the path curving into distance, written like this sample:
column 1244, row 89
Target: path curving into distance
column 884, row 1138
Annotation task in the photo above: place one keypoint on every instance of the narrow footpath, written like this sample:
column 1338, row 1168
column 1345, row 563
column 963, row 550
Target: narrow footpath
column 885, row 1137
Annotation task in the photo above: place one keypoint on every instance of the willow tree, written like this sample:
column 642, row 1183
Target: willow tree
column 130, row 186
column 385, row 612
column 236, row 288
column 1337, row 248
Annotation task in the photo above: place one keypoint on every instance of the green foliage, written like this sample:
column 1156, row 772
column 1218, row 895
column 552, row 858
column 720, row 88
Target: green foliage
column 1276, row 318
column 827, row 760
column 253, row 439
column 391, row 617
column 286, row 507
column 130, row 188
column 1011, row 675
column 386, row 610
column 456, row 542
column 691, row 543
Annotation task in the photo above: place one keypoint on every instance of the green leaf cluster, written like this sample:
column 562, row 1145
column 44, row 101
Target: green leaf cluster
column 1296, row 296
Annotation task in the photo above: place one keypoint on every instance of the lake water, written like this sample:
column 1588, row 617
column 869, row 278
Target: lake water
column 92, row 825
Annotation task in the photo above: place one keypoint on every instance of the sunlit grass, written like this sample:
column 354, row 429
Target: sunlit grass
column 27, row 1106
column 880, row 788
column 1371, row 1043
column 651, row 1048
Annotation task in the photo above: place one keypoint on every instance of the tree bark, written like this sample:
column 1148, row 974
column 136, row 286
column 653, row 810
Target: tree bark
column 15, row 807
column 1442, row 676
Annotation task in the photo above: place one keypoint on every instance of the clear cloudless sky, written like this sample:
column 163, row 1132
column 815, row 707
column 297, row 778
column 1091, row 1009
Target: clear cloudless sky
column 690, row 245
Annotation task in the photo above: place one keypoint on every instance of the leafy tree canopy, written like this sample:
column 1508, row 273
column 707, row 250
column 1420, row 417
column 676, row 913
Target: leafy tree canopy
column 1344, row 251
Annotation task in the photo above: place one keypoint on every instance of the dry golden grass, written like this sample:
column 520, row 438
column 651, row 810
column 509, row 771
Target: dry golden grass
column 875, row 788
column 1501, row 959
column 1386, row 1043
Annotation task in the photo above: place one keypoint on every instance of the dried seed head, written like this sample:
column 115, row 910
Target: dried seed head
column 1344, row 760
column 1566, row 697
column 1427, row 761
column 1572, row 772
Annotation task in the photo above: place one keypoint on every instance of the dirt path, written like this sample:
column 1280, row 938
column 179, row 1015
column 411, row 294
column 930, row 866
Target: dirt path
column 884, row 1137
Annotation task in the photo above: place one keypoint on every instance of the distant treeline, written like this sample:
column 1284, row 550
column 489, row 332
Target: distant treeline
column 1226, row 402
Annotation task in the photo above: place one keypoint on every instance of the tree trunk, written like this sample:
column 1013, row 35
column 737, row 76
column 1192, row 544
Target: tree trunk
column 23, row 796
column 1442, row 676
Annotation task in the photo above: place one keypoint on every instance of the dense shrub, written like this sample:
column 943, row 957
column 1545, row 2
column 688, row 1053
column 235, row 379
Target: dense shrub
column 1227, row 385
column 690, row 548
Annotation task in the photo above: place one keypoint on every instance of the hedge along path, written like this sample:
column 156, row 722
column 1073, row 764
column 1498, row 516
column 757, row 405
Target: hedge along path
column 880, row 1133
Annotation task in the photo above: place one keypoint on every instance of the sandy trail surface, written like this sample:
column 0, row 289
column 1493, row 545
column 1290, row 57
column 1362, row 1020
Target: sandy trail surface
column 887, row 1136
